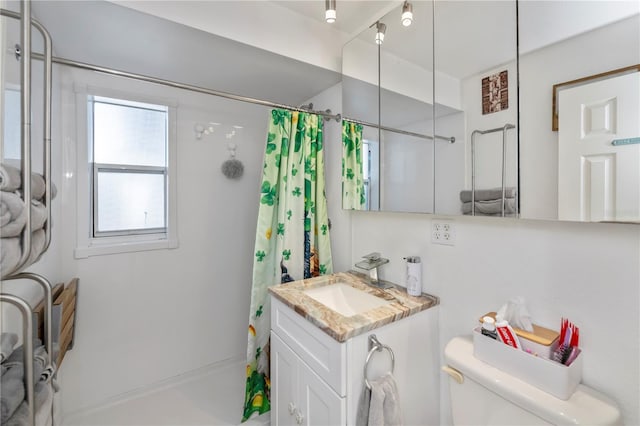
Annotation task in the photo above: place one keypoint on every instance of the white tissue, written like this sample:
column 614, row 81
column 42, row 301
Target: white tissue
column 516, row 313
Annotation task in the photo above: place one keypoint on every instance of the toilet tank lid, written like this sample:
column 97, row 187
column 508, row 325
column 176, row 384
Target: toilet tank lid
column 586, row 406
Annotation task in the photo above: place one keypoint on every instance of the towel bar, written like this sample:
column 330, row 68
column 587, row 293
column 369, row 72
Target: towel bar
column 375, row 345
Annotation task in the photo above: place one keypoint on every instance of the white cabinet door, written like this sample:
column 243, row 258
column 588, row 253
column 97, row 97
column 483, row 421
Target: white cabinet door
column 284, row 382
column 298, row 395
column 321, row 406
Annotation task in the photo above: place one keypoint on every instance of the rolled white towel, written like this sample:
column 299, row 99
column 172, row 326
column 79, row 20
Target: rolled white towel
column 13, row 216
column 7, row 343
column 11, row 180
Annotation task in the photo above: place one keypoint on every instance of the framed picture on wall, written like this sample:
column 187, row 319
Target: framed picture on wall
column 495, row 93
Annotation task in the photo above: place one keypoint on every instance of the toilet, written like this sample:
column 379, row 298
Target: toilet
column 484, row 395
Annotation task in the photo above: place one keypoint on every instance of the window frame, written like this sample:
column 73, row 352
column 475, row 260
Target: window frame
column 92, row 243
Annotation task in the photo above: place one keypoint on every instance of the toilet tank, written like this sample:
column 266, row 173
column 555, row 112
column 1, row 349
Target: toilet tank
column 484, row 395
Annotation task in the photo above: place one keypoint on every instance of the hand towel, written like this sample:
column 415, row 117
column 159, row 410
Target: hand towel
column 11, row 180
column 362, row 415
column 384, row 409
column 491, row 206
column 7, row 343
column 487, row 194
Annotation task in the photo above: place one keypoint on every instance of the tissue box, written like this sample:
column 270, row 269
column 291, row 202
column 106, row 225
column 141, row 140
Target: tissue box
column 550, row 376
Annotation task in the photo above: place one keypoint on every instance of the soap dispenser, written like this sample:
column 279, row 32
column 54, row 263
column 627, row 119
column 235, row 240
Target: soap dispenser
column 413, row 275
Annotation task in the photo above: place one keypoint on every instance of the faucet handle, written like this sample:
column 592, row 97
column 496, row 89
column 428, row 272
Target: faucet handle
column 371, row 257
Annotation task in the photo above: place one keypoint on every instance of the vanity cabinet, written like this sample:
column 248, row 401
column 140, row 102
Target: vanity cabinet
column 317, row 380
column 298, row 395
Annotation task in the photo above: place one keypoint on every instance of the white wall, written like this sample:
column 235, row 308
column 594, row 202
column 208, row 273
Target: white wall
column 604, row 49
column 589, row 273
column 407, row 166
column 360, row 61
column 406, row 173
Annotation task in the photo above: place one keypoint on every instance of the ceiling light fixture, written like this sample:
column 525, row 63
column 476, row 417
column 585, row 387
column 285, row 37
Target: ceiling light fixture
column 407, row 14
column 330, row 11
column 380, row 30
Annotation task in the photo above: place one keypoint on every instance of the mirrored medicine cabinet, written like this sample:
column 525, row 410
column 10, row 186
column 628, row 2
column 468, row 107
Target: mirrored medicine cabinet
column 458, row 109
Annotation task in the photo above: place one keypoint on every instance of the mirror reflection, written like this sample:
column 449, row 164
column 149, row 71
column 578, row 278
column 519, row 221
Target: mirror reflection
column 574, row 162
column 392, row 85
column 571, row 154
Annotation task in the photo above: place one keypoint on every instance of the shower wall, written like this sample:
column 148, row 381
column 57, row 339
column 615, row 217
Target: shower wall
column 145, row 316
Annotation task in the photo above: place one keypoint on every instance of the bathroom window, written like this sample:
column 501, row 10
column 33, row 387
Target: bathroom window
column 128, row 193
column 129, row 182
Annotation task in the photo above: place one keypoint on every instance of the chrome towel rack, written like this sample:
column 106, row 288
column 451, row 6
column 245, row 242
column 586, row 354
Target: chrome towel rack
column 502, row 129
column 376, row 346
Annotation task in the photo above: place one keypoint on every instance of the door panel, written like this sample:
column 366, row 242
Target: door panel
column 284, row 368
column 322, row 406
column 598, row 181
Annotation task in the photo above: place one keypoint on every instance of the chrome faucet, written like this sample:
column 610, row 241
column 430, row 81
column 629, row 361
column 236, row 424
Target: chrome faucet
column 370, row 263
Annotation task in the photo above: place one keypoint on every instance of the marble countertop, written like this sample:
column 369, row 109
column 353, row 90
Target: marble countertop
column 343, row 328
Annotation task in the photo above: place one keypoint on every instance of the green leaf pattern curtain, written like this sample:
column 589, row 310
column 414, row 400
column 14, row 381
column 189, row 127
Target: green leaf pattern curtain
column 292, row 236
column 353, row 196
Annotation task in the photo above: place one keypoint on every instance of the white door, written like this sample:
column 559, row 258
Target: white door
column 598, row 181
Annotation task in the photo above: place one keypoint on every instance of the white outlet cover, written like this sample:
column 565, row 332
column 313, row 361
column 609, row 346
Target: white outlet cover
column 443, row 232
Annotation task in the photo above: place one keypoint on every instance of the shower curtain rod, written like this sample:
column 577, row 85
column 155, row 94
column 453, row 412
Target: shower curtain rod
column 450, row 139
column 327, row 114
column 82, row 65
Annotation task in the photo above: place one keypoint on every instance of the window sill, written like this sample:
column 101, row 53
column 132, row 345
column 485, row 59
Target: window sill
column 113, row 247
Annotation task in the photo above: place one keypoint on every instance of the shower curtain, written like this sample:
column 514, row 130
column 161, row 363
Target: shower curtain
column 292, row 236
column 353, row 196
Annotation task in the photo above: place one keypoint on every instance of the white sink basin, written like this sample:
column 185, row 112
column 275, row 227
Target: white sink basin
column 344, row 299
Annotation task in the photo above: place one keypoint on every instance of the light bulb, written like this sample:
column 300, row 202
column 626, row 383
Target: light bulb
column 330, row 11
column 407, row 14
column 380, row 30
column 330, row 16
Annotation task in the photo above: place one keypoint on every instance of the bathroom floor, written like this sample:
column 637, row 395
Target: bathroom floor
column 211, row 398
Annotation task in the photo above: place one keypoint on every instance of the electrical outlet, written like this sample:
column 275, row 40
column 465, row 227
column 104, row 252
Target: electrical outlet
column 443, row 232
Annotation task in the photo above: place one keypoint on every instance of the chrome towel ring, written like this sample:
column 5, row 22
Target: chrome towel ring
column 375, row 345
